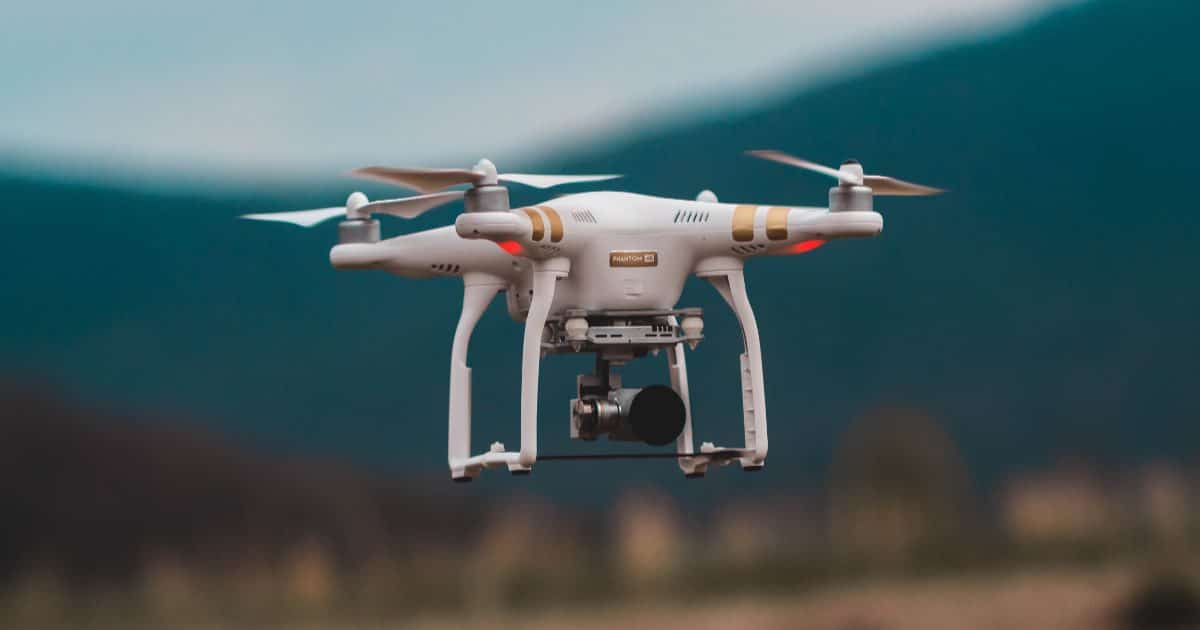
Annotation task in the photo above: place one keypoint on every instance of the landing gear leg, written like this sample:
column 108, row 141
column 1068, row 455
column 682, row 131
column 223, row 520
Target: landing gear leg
column 677, row 365
column 545, row 276
column 478, row 292
column 731, row 284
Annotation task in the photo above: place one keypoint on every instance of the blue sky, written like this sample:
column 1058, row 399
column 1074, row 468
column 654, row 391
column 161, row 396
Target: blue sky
column 230, row 86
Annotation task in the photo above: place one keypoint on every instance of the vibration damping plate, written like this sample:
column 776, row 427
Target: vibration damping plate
column 593, row 331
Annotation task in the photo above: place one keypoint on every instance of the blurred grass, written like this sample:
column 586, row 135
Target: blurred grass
column 450, row 591
column 1110, row 597
column 124, row 525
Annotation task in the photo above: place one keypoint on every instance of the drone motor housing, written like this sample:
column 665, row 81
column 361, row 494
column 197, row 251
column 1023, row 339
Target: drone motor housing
column 358, row 231
column 486, row 199
column 851, row 198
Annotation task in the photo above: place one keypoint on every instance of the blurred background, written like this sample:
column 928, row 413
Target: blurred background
column 982, row 418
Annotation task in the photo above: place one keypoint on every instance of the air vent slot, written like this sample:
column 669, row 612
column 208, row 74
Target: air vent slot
column 746, row 250
column 691, row 216
column 583, row 216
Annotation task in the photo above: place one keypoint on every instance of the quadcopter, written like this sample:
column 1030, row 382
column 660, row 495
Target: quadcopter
column 598, row 273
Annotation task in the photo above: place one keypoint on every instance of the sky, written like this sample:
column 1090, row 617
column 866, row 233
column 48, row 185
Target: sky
column 228, row 86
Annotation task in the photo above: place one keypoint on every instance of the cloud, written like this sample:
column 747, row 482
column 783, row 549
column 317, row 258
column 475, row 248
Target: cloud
column 308, row 86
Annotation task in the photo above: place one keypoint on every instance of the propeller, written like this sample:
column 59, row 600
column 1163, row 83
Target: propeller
column 358, row 207
column 428, row 180
column 486, row 194
column 851, row 174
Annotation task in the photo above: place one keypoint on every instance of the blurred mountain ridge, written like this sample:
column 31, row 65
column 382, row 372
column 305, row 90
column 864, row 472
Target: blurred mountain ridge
column 96, row 495
column 1044, row 306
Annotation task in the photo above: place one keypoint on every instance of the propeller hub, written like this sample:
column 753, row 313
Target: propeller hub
column 354, row 203
column 491, row 177
column 853, row 169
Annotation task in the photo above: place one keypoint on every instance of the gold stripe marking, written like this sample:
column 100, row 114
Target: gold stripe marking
column 556, row 224
column 539, row 229
column 777, row 224
column 743, row 223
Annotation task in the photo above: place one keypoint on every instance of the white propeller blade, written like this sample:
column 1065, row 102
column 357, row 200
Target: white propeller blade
column 790, row 160
column 550, row 181
column 428, row 180
column 850, row 174
column 303, row 218
column 357, row 206
column 411, row 207
column 883, row 185
column 424, row 180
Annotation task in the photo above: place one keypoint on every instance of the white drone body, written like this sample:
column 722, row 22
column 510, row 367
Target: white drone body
column 601, row 273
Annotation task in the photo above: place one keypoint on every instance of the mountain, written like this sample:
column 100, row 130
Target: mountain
column 1044, row 307
column 96, row 496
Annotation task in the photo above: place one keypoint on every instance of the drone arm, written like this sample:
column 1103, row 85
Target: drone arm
column 478, row 292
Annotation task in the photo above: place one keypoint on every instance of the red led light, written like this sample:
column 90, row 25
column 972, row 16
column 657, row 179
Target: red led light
column 804, row 247
column 512, row 247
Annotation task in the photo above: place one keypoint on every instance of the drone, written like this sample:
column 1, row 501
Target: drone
column 598, row 273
